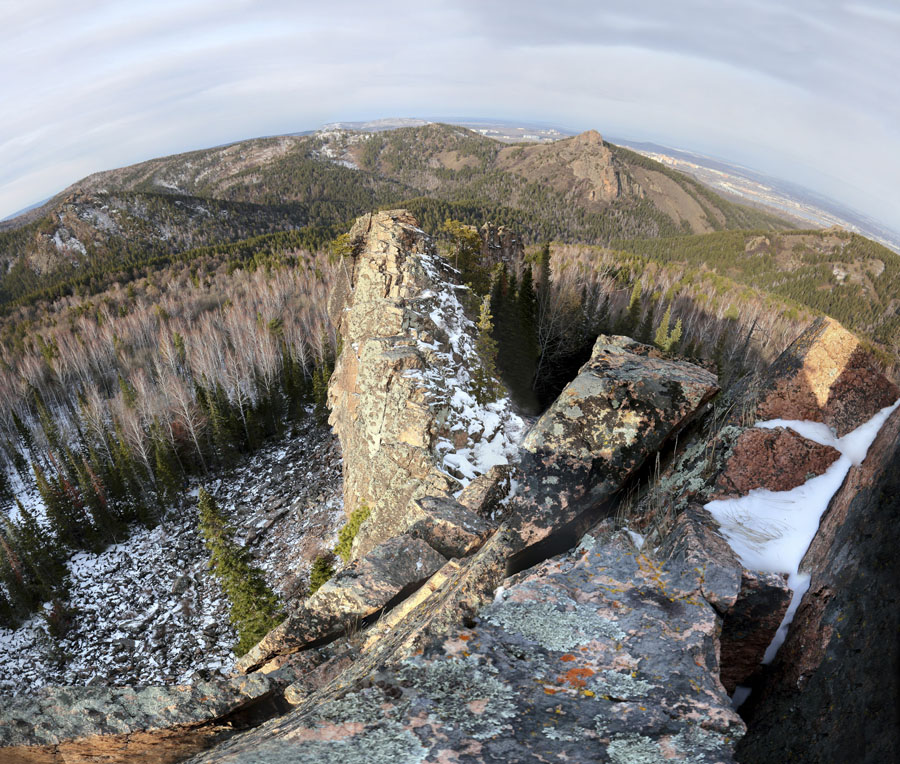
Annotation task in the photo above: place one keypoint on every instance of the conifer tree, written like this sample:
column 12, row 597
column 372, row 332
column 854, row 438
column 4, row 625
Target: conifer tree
column 255, row 609
column 645, row 332
column 484, row 376
column 633, row 317
column 666, row 339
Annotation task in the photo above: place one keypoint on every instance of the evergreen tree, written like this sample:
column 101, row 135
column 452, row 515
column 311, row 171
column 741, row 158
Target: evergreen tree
column 665, row 339
column 321, row 572
column 662, row 331
column 255, row 609
column 633, row 316
column 645, row 332
column 484, row 376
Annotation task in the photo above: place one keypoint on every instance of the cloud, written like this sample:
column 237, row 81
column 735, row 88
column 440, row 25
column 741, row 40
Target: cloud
column 805, row 90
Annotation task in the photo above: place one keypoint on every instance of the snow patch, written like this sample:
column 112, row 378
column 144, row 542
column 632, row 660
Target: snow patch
column 770, row 531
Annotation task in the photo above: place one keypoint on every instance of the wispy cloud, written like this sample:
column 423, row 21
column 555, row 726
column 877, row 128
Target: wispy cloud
column 806, row 90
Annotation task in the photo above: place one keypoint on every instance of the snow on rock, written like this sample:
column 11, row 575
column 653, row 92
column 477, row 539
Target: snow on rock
column 770, row 531
column 494, row 430
column 148, row 610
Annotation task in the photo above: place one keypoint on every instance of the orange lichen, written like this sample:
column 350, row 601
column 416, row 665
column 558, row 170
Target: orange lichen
column 575, row 676
column 567, row 657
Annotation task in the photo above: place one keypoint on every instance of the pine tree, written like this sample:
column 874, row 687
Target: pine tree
column 633, row 316
column 255, row 609
column 645, row 332
column 665, row 339
column 662, row 331
column 484, row 376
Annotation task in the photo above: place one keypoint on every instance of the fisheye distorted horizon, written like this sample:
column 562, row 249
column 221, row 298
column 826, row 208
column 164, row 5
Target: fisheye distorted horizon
column 805, row 91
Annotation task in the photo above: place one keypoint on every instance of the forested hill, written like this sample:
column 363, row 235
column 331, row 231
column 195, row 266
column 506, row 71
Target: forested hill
column 841, row 274
column 581, row 189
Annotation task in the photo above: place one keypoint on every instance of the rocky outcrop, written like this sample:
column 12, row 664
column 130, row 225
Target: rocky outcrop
column 825, row 376
column 401, row 395
column 777, row 460
column 500, row 245
column 598, row 655
column 831, row 694
column 146, row 725
column 360, row 590
column 623, row 405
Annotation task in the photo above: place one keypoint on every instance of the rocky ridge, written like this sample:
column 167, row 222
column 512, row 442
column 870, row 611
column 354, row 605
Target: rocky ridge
column 533, row 629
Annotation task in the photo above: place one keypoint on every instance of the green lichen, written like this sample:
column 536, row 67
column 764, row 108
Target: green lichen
column 450, row 687
column 695, row 742
column 635, row 749
column 560, row 626
column 388, row 744
column 619, row 686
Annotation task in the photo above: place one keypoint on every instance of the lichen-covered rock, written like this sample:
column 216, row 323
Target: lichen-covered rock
column 694, row 543
column 358, row 591
column 600, row 655
column 825, row 376
column 623, row 405
column 401, row 395
column 147, row 725
column 831, row 693
column 775, row 459
column 445, row 525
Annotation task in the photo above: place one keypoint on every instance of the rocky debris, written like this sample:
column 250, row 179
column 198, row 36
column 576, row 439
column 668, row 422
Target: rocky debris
column 500, row 244
column 623, row 405
column 775, row 459
column 598, row 655
column 831, row 693
column 363, row 588
column 750, row 624
column 825, row 376
column 751, row 604
column 445, row 525
column 148, row 725
column 695, row 543
column 401, row 395
column 148, row 611
column 485, row 492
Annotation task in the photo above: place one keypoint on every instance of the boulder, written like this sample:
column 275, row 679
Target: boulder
column 775, row 459
column 485, row 492
column 445, row 525
column 825, row 376
column 694, row 544
column 143, row 725
column 360, row 590
column 621, row 408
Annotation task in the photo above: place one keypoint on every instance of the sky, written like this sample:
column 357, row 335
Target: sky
column 804, row 90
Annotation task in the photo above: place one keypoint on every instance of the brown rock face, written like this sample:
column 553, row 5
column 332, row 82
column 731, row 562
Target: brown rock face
column 832, row 692
column 825, row 376
column 750, row 625
column 777, row 460
column 400, row 395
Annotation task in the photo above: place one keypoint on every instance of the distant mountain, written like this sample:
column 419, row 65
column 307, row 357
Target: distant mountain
column 578, row 189
column 783, row 197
